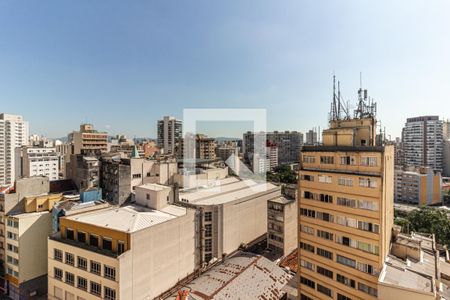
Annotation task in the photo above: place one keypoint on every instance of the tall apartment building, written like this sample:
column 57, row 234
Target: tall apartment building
column 131, row 252
column 423, row 141
column 419, row 186
column 39, row 161
column 265, row 163
column 13, row 134
column 88, row 140
column 205, row 147
column 446, row 149
column 311, row 137
column 288, row 143
column 169, row 134
column 345, row 210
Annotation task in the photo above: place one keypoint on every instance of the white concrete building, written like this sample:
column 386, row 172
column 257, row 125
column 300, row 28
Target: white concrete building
column 37, row 161
column 231, row 213
column 13, row 134
column 422, row 139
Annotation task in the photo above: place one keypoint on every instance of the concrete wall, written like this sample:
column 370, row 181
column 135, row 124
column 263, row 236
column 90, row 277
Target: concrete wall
column 33, row 232
column 386, row 292
column 159, row 257
column 244, row 221
column 290, row 227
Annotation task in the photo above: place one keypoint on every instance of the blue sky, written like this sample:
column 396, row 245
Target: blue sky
column 122, row 65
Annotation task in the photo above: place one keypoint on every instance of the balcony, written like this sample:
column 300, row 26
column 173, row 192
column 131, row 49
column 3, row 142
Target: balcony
column 57, row 237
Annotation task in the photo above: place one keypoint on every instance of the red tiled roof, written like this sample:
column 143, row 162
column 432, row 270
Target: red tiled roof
column 290, row 261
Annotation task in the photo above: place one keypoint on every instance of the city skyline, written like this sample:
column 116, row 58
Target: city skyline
column 122, row 70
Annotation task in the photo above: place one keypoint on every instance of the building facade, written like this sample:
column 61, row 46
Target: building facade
column 311, row 137
column 288, row 143
column 423, row 141
column 131, row 252
column 419, row 186
column 282, row 225
column 170, row 132
column 345, row 212
column 13, row 134
column 88, row 141
column 39, row 161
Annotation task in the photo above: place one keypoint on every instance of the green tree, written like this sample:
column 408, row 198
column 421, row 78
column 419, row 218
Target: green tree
column 431, row 220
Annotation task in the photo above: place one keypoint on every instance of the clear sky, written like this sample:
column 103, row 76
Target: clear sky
column 123, row 64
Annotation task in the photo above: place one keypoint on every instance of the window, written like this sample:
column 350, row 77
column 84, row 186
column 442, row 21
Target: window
column 208, row 230
column 110, row 294
column 57, row 254
column 70, row 278
column 12, row 236
column 82, row 263
column 307, row 247
column 136, row 176
column 307, row 229
column 307, row 282
column 345, row 181
column 309, row 159
column 120, row 247
column 368, row 161
column 308, row 212
column 93, row 240
column 96, row 288
column 346, row 281
column 346, row 261
column 324, row 290
column 367, row 182
column 82, row 283
column 329, row 160
column 366, row 226
column 96, row 267
column 110, row 272
column 208, row 245
column 147, row 196
column 208, row 216
column 12, row 260
column 367, row 289
column 304, row 297
column 324, row 216
column 307, row 265
column 81, row 237
column 70, row 259
column 307, row 177
column 70, row 234
column 345, row 221
column 324, row 179
column 324, row 253
column 325, row 234
column 107, row 244
column 326, row 198
column 208, row 257
column 342, row 297
column 324, row 272
column 366, row 268
column 13, row 223
column 11, row 248
column 58, row 273
column 347, row 160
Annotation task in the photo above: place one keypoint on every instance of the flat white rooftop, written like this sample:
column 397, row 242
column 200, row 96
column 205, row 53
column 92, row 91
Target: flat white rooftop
column 225, row 191
column 129, row 218
column 153, row 187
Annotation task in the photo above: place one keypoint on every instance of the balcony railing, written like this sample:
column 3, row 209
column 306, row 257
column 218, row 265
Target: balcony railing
column 57, row 237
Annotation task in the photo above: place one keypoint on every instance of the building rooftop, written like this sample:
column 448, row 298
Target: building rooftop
column 282, row 200
column 129, row 218
column 23, row 215
column 343, row 148
column 224, row 191
column 290, row 262
column 154, row 187
column 243, row 276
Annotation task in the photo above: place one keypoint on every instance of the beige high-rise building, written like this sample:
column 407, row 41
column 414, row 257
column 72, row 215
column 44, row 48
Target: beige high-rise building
column 345, row 211
column 88, row 140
